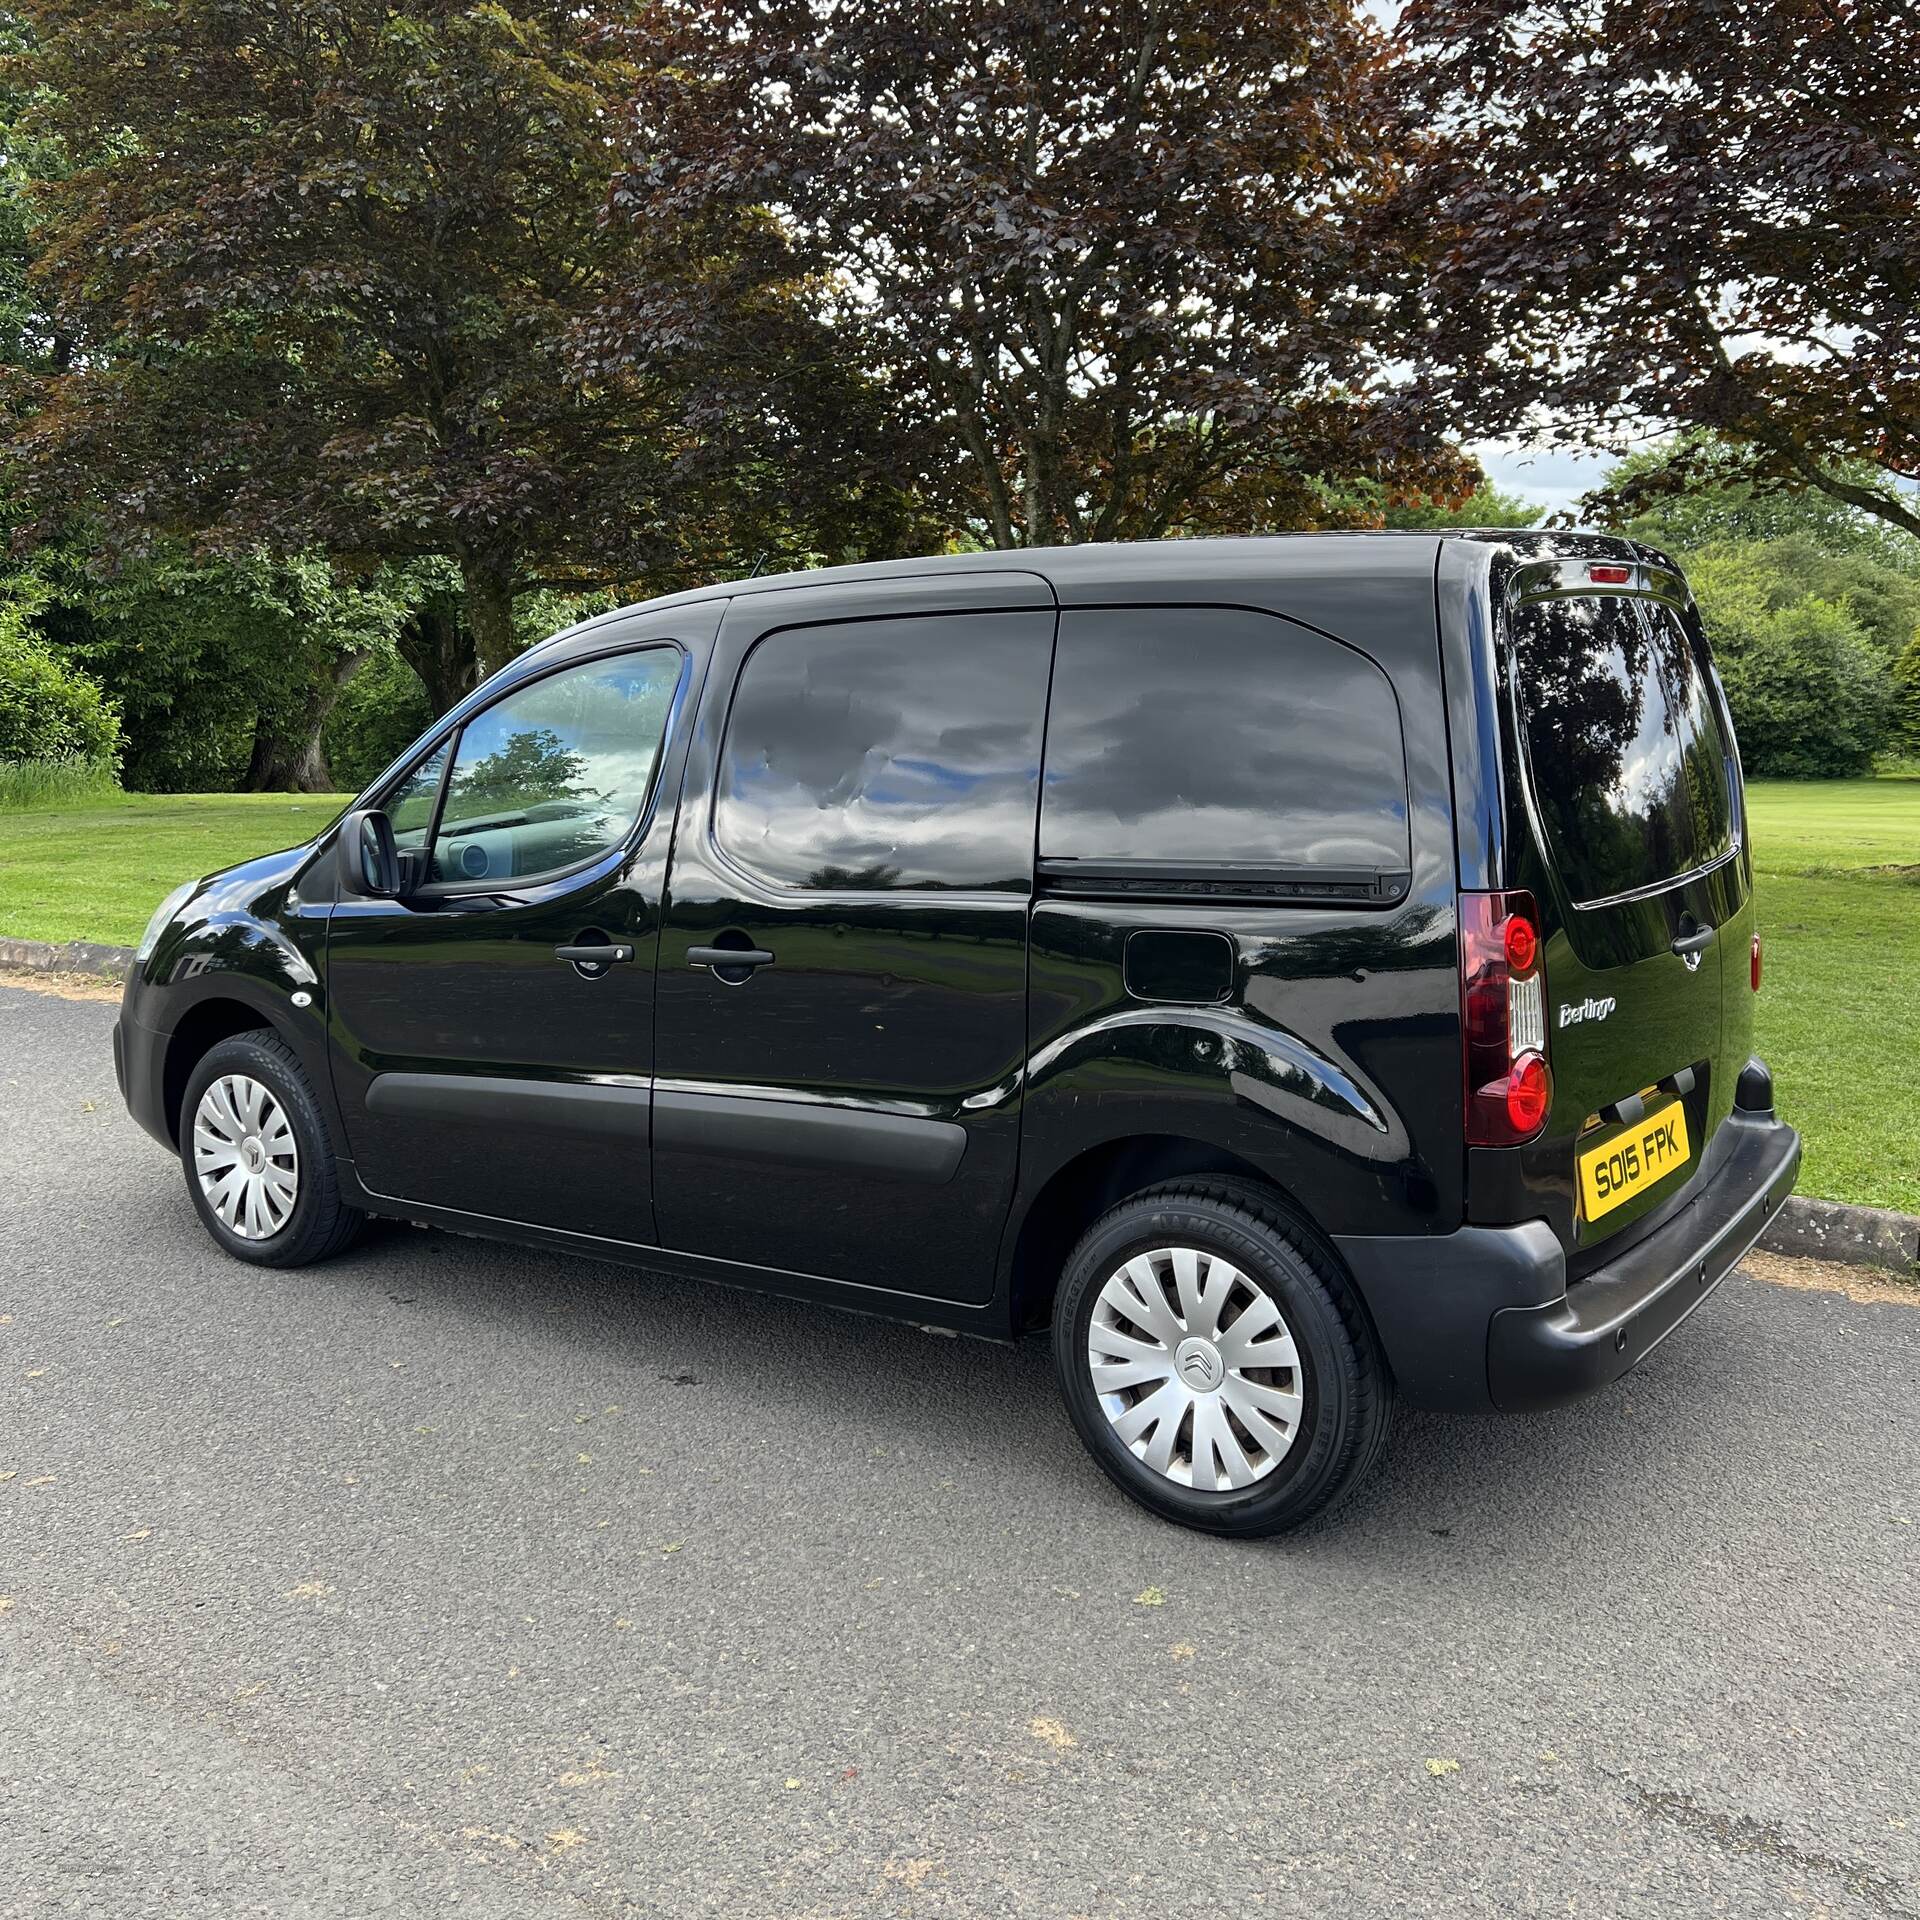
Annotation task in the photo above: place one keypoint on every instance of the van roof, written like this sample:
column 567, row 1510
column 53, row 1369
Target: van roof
column 1089, row 573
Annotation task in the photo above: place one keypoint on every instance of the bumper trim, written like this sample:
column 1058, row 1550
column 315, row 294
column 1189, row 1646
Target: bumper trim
column 1544, row 1356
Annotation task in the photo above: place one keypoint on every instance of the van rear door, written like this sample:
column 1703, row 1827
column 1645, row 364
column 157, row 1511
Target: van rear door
column 1631, row 790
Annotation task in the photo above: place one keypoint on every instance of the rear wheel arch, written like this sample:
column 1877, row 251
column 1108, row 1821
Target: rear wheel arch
column 1078, row 1192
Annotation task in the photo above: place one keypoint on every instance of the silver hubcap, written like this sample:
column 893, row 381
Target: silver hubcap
column 245, row 1156
column 1195, row 1368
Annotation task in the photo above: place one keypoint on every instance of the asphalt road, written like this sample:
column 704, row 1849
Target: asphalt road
column 458, row 1579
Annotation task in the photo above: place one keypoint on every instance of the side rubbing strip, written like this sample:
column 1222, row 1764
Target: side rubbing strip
column 538, row 1106
column 876, row 1146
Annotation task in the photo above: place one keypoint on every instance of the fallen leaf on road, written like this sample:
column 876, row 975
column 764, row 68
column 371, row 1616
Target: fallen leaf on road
column 309, row 1590
column 86, row 1106
column 583, row 1459
column 793, row 1786
column 139, row 1533
column 6, row 1603
column 1183, row 1650
column 12, row 1473
column 45, row 1480
column 247, row 1693
column 35, row 1373
column 565, row 1839
column 621, row 1626
column 1150, row 1597
column 1440, row 1768
column 1053, row 1733
column 673, row 1546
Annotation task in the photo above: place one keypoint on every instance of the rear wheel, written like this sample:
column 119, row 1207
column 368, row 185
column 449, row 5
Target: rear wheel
column 258, row 1159
column 1215, row 1361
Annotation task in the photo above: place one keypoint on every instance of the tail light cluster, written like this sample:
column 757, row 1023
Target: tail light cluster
column 1753, row 967
column 1503, row 1019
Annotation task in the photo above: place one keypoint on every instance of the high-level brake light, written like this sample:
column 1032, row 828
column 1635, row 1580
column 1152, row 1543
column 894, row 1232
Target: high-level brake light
column 1610, row 576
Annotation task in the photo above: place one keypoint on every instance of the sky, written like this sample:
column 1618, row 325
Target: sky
column 1551, row 477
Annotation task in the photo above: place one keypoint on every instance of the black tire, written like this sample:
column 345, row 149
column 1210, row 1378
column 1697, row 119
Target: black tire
column 1346, row 1393
column 319, row 1225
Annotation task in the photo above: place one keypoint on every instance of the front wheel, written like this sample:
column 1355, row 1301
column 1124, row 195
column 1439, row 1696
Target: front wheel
column 1216, row 1362
column 258, row 1160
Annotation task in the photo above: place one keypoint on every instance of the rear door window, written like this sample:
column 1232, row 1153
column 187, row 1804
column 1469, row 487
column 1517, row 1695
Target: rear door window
column 1195, row 737
column 1625, row 758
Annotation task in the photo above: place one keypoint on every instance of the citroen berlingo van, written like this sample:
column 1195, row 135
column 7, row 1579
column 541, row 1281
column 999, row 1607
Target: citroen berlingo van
column 1303, row 974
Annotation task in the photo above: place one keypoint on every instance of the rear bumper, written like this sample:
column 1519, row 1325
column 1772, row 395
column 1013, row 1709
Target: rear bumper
column 1484, row 1317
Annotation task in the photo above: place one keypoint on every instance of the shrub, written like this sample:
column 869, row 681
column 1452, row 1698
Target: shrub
column 1809, row 692
column 49, row 711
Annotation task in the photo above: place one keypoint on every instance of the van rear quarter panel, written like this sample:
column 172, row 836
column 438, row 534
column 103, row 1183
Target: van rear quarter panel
column 1333, row 1064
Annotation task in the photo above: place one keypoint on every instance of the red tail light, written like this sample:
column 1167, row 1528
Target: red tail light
column 1610, row 576
column 1756, row 963
column 1503, row 1024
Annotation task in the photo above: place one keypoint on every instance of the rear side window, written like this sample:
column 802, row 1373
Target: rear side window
column 883, row 754
column 1197, row 736
column 1625, row 756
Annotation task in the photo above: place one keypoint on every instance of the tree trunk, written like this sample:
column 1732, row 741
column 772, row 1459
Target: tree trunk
column 435, row 644
column 488, row 583
column 290, row 758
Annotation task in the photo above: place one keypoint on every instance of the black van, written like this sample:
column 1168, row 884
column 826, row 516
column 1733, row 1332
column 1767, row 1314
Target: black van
column 1306, row 972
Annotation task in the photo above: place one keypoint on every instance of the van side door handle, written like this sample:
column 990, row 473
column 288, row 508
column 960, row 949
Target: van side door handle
column 732, row 964
column 593, row 956
column 1690, row 946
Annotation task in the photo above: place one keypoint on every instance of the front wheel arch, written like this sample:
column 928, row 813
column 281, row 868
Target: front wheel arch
column 200, row 1029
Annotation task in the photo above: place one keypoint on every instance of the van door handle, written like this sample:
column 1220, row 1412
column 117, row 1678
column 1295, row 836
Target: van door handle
column 593, row 956
column 1688, row 945
column 724, row 960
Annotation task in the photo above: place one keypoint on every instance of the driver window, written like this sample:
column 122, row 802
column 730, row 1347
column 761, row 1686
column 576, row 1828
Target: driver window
column 557, row 771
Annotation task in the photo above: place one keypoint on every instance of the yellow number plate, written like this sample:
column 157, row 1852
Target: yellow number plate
column 1633, row 1160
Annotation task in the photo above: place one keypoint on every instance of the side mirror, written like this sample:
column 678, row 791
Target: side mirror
column 370, row 864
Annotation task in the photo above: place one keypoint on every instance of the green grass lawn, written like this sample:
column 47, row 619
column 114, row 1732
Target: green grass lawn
column 1839, row 1017
column 96, row 872
column 1839, row 884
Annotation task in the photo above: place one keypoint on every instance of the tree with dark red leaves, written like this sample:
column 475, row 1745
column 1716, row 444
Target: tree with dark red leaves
column 335, row 274
column 1117, row 264
column 1660, row 212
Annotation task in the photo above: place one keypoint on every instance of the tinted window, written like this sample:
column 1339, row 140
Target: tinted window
column 1707, row 759
column 887, row 753
column 557, row 771
column 1210, row 734
column 1629, row 793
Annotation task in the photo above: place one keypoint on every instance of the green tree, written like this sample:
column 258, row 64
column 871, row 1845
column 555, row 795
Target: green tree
column 226, row 671
column 339, row 280
column 1810, row 697
column 1696, row 489
column 1904, row 720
